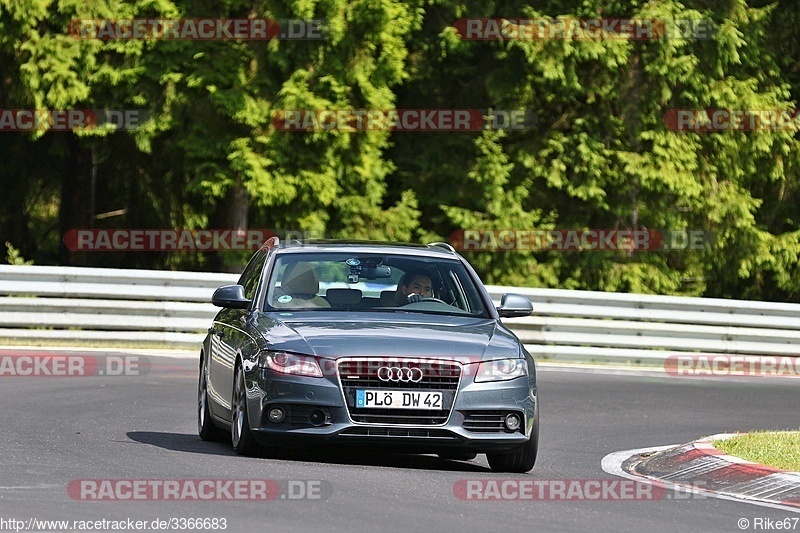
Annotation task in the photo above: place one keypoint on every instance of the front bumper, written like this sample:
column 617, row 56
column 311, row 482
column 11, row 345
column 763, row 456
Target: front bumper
column 474, row 423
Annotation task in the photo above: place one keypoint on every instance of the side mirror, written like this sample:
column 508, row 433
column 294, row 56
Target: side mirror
column 230, row 296
column 514, row 305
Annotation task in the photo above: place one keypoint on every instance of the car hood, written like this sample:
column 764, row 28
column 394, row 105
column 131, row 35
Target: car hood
column 331, row 335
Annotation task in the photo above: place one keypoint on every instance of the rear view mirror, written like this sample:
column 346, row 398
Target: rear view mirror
column 378, row 272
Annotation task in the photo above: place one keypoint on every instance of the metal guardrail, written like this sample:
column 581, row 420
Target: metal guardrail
column 56, row 304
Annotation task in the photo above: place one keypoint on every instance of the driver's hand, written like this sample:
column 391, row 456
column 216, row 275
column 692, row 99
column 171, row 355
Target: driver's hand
column 413, row 298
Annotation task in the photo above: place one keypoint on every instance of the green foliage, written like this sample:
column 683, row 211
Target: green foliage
column 600, row 154
column 13, row 256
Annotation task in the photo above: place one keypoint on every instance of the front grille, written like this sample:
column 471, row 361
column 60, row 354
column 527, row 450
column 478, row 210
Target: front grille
column 364, row 374
column 436, row 376
column 485, row 421
column 400, row 432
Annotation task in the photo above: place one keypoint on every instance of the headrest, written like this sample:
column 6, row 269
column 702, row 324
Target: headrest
column 300, row 278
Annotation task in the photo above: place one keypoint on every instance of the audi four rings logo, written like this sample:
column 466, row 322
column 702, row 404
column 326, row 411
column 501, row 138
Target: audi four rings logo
column 396, row 373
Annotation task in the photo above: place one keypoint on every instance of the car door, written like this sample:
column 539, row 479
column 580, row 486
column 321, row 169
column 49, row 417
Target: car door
column 229, row 336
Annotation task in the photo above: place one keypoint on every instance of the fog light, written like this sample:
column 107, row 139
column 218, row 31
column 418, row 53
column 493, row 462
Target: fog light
column 512, row 421
column 317, row 417
column 276, row 415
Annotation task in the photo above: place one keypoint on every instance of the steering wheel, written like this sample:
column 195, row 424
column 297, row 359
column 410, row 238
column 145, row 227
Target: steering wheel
column 432, row 299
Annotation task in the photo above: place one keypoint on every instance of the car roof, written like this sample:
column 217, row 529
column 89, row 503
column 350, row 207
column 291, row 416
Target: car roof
column 440, row 250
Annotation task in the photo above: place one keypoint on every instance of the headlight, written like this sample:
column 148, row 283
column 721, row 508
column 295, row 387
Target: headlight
column 501, row 370
column 289, row 363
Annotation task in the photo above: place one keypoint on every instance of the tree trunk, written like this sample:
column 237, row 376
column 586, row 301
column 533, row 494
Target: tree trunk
column 74, row 209
column 231, row 214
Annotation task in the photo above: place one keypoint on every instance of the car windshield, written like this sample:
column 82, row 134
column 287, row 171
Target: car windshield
column 372, row 282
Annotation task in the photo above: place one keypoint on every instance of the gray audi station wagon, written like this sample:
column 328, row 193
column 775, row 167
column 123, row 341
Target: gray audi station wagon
column 392, row 345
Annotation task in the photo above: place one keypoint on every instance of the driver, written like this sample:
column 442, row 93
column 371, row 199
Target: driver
column 415, row 285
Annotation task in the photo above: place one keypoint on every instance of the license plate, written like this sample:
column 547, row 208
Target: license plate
column 395, row 399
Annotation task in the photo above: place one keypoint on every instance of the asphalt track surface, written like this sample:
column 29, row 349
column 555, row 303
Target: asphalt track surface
column 57, row 430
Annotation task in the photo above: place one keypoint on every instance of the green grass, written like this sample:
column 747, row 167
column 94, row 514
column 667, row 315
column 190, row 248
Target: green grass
column 779, row 449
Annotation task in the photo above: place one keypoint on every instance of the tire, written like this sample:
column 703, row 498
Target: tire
column 241, row 437
column 458, row 456
column 205, row 426
column 522, row 459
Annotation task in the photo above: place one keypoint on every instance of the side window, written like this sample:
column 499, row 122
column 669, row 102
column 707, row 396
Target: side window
column 251, row 274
